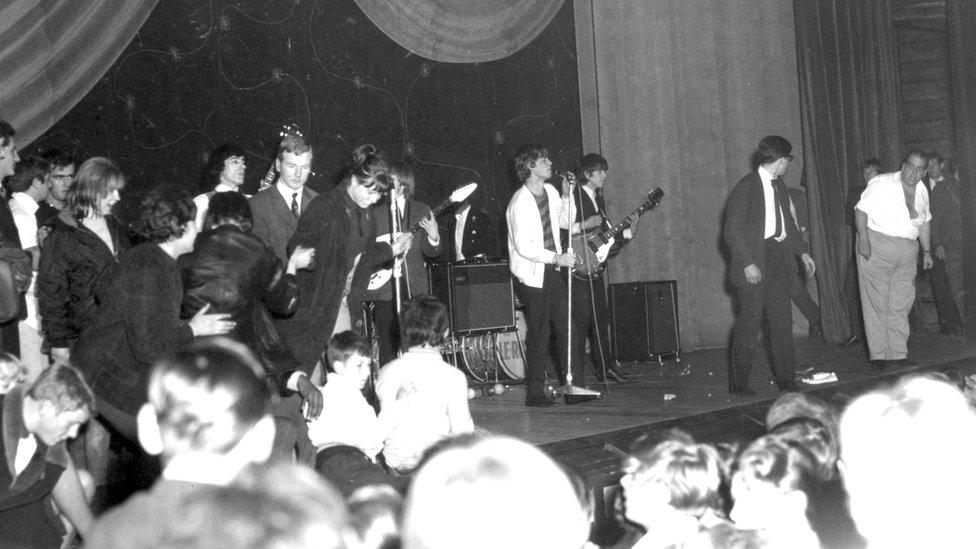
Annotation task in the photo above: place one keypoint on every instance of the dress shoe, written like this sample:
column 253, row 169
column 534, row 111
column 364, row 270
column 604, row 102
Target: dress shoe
column 742, row 391
column 613, row 376
column 816, row 329
column 789, row 386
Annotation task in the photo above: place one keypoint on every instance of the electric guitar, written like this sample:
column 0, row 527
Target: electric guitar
column 290, row 134
column 593, row 248
column 381, row 276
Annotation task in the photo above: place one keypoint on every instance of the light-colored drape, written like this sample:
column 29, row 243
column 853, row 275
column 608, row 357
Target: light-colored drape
column 52, row 52
column 461, row 31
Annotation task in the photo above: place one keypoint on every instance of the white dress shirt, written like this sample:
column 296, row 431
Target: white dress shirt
column 772, row 209
column 286, row 192
column 346, row 418
column 884, row 203
column 460, row 219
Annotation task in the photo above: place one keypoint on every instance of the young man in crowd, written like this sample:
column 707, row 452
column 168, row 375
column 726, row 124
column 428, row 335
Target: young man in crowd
column 60, row 174
column 224, row 174
column 208, row 417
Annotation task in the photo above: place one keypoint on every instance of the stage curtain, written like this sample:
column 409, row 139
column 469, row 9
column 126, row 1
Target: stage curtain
column 54, row 51
column 961, row 18
column 849, row 103
column 461, row 31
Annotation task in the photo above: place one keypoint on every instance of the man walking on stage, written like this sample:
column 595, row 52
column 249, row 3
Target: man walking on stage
column 762, row 238
column 534, row 216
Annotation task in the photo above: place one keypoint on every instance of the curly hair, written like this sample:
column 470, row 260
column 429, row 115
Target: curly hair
column 164, row 214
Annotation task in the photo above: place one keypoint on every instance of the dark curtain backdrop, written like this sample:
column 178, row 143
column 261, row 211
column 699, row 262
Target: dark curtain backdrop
column 849, row 101
column 199, row 74
column 961, row 16
column 677, row 95
column 52, row 52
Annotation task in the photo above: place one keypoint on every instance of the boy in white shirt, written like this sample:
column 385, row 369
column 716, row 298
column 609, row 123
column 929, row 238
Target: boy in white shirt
column 422, row 398
column 347, row 434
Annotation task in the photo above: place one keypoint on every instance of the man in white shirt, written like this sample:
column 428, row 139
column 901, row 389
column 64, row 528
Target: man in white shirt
column 225, row 173
column 892, row 220
column 534, row 216
column 29, row 187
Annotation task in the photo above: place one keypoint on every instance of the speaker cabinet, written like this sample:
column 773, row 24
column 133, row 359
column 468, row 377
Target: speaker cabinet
column 645, row 320
column 480, row 296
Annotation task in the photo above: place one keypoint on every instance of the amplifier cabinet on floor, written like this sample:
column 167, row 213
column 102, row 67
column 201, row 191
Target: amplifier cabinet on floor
column 480, row 296
column 645, row 320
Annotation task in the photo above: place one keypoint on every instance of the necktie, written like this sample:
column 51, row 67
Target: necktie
column 294, row 204
column 779, row 210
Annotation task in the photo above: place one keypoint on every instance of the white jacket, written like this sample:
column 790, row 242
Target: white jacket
column 527, row 255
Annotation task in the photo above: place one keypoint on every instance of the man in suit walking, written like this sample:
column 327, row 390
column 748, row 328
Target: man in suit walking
column 277, row 208
column 762, row 238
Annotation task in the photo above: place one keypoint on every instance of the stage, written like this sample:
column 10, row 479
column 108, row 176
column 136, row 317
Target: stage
column 692, row 395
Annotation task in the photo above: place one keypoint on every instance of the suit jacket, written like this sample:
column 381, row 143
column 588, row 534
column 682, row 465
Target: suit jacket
column 416, row 273
column 745, row 222
column 273, row 221
column 479, row 238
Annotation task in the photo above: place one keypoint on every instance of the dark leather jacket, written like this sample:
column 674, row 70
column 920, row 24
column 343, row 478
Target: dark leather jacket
column 237, row 274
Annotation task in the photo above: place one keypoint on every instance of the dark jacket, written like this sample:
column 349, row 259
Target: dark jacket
column 74, row 261
column 745, row 222
column 325, row 227
column 415, row 272
column 946, row 207
column 479, row 238
column 237, row 274
column 26, row 517
column 138, row 321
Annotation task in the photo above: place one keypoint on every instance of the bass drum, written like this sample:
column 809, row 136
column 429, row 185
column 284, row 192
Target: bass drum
column 479, row 357
column 511, row 348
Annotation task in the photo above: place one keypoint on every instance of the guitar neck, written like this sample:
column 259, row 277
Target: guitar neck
column 623, row 223
column 268, row 179
column 436, row 211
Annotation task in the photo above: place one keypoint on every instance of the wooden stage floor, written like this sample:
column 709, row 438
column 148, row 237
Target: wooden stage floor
column 692, row 394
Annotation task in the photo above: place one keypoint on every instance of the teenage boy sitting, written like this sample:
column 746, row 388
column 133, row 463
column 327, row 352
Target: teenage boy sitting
column 347, row 435
column 422, row 398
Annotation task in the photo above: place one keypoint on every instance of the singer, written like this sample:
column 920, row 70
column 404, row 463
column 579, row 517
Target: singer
column 534, row 216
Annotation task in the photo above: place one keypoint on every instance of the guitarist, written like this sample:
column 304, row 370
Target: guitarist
column 591, row 316
column 414, row 280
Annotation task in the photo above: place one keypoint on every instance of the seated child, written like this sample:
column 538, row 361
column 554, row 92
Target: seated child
column 347, row 435
column 423, row 399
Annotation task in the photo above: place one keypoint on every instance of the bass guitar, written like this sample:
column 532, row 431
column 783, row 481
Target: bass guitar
column 593, row 248
column 381, row 276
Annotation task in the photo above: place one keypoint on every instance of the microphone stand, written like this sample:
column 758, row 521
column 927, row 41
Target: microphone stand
column 572, row 393
column 394, row 234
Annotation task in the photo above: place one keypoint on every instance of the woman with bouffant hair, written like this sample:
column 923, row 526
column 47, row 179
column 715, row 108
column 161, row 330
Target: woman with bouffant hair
column 83, row 244
column 341, row 228
column 138, row 319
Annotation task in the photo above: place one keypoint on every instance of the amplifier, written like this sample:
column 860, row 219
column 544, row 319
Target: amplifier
column 645, row 320
column 479, row 295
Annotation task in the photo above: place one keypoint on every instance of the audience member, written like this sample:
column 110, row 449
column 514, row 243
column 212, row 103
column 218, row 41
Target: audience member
column 35, row 422
column 801, row 405
column 12, row 373
column 347, row 435
column 946, row 276
column 376, row 511
column 138, row 319
column 9, row 337
column 524, row 492
column 770, row 489
column 80, row 253
column 208, row 415
column 60, row 175
column 422, row 398
column 234, row 273
column 908, row 453
column 672, row 489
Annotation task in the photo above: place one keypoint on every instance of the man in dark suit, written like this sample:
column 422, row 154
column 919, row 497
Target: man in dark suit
column 277, row 208
column 762, row 238
column 414, row 276
column 476, row 237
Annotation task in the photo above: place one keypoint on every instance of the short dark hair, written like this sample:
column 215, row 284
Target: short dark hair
column 772, row 148
column 405, row 174
column 342, row 346
column 182, row 389
column 229, row 208
column 525, row 157
column 6, row 132
column 56, row 158
column 165, row 213
column 25, row 173
column 589, row 164
column 873, row 163
column 211, row 174
column 64, row 387
column 423, row 321
column 935, row 155
column 915, row 152
column 368, row 167
column 95, row 179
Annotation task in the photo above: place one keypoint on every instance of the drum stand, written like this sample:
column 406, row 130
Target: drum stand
column 572, row 394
